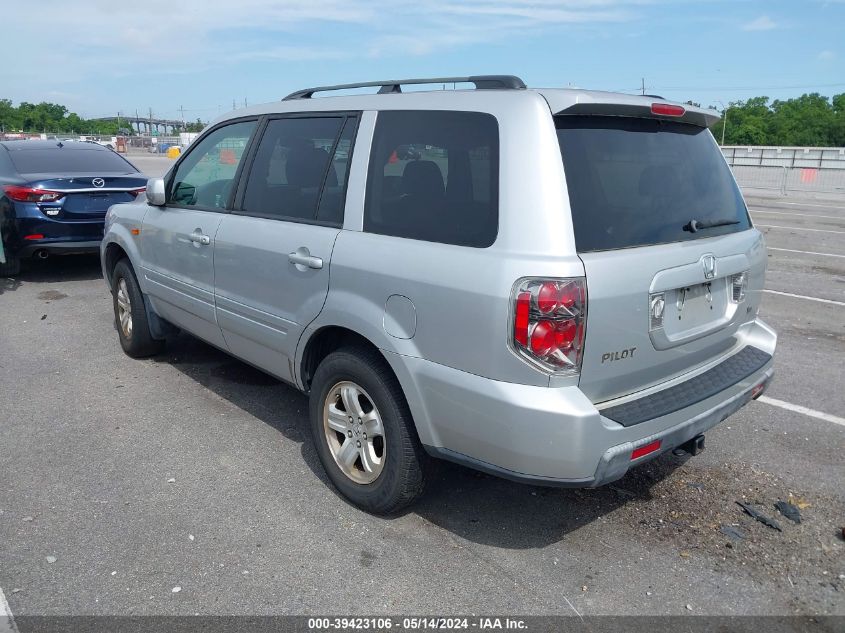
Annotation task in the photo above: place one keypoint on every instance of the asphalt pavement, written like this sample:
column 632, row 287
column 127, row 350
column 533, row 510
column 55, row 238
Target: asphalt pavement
column 123, row 480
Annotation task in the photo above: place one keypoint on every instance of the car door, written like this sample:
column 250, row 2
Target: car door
column 177, row 240
column 272, row 253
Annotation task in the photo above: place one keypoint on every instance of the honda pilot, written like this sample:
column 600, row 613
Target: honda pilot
column 553, row 286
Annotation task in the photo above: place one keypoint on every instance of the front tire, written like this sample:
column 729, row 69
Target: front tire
column 130, row 315
column 364, row 433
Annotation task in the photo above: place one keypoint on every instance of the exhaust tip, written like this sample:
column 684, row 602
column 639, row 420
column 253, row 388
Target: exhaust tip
column 42, row 254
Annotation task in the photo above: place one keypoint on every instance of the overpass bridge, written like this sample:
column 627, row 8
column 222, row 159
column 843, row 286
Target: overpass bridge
column 145, row 125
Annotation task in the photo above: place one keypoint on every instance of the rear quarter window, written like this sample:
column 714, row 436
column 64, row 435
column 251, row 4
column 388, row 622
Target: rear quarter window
column 637, row 182
column 434, row 177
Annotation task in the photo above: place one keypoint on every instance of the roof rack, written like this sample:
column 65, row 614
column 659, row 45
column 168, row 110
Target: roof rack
column 482, row 82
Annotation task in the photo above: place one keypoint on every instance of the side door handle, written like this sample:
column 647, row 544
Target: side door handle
column 199, row 238
column 302, row 259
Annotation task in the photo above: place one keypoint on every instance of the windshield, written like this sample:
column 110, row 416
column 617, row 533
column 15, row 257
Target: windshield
column 68, row 161
column 636, row 182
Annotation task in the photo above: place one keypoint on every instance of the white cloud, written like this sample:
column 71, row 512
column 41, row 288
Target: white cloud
column 102, row 43
column 189, row 35
column 826, row 56
column 763, row 23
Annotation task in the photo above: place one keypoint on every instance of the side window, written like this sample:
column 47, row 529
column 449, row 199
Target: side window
column 293, row 161
column 333, row 198
column 205, row 177
column 434, row 176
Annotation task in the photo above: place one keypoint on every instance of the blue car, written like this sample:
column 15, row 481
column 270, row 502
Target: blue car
column 54, row 196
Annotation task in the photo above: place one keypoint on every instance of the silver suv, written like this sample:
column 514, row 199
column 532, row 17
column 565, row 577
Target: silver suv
column 549, row 285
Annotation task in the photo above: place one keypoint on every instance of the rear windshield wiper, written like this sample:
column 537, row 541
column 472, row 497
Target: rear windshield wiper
column 694, row 225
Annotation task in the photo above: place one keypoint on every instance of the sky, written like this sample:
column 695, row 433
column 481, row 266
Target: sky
column 192, row 58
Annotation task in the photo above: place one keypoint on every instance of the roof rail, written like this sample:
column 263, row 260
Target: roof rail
column 482, row 82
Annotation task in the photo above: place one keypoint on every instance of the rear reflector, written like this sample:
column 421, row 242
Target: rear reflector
column 758, row 390
column 667, row 109
column 645, row 450
column 34, row 236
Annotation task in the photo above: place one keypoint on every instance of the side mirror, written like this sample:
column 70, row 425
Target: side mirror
column 155, row 192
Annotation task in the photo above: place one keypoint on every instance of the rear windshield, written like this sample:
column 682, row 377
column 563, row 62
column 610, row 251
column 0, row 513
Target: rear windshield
column 636, row 182
column 68, row 161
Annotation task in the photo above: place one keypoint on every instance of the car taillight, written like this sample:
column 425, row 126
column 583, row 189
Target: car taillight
column 549, row 317
column 667, row 109
column 28, row 194
column 137, row 192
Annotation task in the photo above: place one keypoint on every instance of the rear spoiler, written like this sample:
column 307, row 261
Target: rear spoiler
column 646, row 109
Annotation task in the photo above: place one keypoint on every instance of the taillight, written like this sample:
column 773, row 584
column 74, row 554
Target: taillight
column 28, row 194
column 137, row 192
column 549, row 317
column 667, row 109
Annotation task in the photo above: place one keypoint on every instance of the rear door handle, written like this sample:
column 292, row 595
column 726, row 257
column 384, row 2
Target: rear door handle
column 302, row 259
column 199, row 238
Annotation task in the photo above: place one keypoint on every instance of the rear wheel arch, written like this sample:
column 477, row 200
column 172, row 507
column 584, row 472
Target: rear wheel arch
column 325, row 341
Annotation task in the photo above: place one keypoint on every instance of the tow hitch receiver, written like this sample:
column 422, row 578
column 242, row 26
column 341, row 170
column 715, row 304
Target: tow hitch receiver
column 692, row 447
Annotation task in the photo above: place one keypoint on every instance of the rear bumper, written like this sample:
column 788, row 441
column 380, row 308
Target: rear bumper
column 60, row 236
column 556, row 436
column 55, row 247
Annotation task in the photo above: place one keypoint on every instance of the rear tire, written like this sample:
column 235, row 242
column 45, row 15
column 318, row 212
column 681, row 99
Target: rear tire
column 133, row 328
column 388, row 476
column 12, row 266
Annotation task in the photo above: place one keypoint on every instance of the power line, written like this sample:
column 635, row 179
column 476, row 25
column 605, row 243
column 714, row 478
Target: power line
column 739, row 88
column 638, row 89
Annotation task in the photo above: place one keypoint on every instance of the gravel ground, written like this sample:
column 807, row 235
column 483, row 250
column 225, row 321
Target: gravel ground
column 121, row 480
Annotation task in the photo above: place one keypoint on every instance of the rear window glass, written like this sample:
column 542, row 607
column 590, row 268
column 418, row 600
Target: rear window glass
column 636, row 182
column 68, row 161
column 434, row 177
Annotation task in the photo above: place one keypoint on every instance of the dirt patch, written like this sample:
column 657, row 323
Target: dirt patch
column 51, row 295
column 701, row 518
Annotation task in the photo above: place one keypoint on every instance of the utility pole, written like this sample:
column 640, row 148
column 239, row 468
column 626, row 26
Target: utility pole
column 643, row 83
column 724, row 120
column 245, row 102
column 234, row 105
column 118, row 122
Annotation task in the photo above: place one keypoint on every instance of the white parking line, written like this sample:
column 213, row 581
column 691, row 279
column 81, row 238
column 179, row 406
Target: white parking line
column 800, row 215
column 789, row 294
column 799, row 228
column 7, row 622
column 797, row 408
column 791, row 250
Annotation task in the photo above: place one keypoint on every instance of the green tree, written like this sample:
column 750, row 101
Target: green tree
column 195, row 127
column 9, row 117
column 807, row 120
